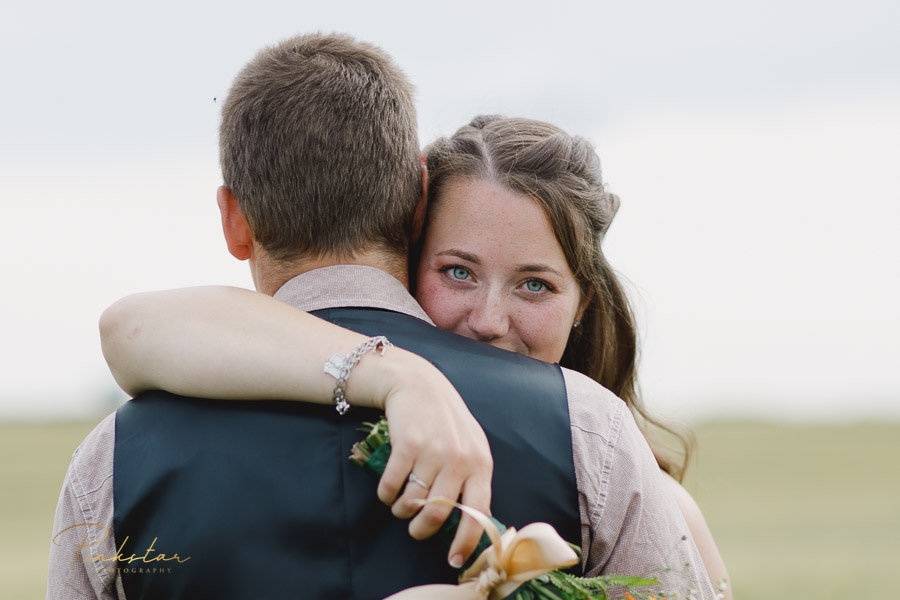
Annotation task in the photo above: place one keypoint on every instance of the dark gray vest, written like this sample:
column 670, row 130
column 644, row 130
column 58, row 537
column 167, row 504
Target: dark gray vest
column 262, row 498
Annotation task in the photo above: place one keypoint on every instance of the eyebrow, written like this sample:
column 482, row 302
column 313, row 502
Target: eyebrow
column 537, row 268
column 460, row 254
column 529, row 268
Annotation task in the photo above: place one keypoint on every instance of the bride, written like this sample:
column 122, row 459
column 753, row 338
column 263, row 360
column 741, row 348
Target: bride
column 510, row 255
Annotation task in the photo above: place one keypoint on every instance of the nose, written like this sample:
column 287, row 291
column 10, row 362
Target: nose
column 489, row 320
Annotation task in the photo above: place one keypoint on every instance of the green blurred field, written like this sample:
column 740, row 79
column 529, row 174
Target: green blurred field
column 798, row 512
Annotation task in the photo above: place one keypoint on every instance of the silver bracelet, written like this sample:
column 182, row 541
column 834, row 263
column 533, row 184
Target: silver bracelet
column 339, row 366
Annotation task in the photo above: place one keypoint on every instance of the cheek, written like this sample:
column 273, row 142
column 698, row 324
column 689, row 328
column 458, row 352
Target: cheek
column 544, row 328
column 444, row 307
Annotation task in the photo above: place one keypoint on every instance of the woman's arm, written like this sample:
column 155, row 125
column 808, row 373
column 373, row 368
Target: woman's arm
column 709, row 551
column 231, row 343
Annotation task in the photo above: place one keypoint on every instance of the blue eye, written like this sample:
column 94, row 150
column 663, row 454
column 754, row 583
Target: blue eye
column 535, row 285
column 458, row 273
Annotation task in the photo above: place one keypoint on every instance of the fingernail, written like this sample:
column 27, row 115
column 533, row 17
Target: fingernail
column 456, row 561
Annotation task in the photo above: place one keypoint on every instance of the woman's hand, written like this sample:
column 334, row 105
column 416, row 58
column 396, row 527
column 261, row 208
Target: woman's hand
column 436, row 438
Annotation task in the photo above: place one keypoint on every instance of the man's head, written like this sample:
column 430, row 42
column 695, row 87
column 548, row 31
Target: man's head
column 319, row 154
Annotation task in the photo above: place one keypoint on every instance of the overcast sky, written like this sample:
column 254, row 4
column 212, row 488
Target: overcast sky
column 754, row 146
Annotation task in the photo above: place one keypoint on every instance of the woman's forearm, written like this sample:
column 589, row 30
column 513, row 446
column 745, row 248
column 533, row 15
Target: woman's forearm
column 233, row 343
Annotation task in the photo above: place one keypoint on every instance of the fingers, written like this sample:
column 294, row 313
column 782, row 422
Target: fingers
column 404, row 508
column 395, row 473
column 430, row 518
column 443, row 445
column 477, row 494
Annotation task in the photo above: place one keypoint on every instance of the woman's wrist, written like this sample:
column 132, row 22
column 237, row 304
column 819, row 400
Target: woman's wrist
column 376, row 377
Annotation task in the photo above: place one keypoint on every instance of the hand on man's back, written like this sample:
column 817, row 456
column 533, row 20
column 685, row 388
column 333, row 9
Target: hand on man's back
column 435, row 439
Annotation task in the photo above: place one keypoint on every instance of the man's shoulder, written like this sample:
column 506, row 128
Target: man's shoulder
column 600, row 418
column 92, row 462
column 582, row 385
column 592, row 407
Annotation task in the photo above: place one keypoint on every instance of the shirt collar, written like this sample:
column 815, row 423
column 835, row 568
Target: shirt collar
column 349, row 285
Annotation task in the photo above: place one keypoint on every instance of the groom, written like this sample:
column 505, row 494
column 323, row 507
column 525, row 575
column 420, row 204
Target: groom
column 183, row 498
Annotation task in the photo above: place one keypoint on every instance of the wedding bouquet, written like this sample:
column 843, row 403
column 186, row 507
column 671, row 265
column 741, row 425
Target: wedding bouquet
column 497, row 572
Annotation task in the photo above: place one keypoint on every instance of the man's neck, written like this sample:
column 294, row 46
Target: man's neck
column 269, row 276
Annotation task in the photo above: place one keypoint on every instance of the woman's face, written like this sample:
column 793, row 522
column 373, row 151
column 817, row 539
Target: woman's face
column 491, row 269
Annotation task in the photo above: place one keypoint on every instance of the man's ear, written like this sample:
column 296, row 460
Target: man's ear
column 418, row 225
column 238, row 236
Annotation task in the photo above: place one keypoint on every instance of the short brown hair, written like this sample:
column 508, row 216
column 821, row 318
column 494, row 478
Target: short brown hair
column 561, row 172
column 318, row 143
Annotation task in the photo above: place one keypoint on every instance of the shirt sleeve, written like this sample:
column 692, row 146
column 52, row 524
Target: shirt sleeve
column 82, row 542
column 641, row 530
column 633, row 524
